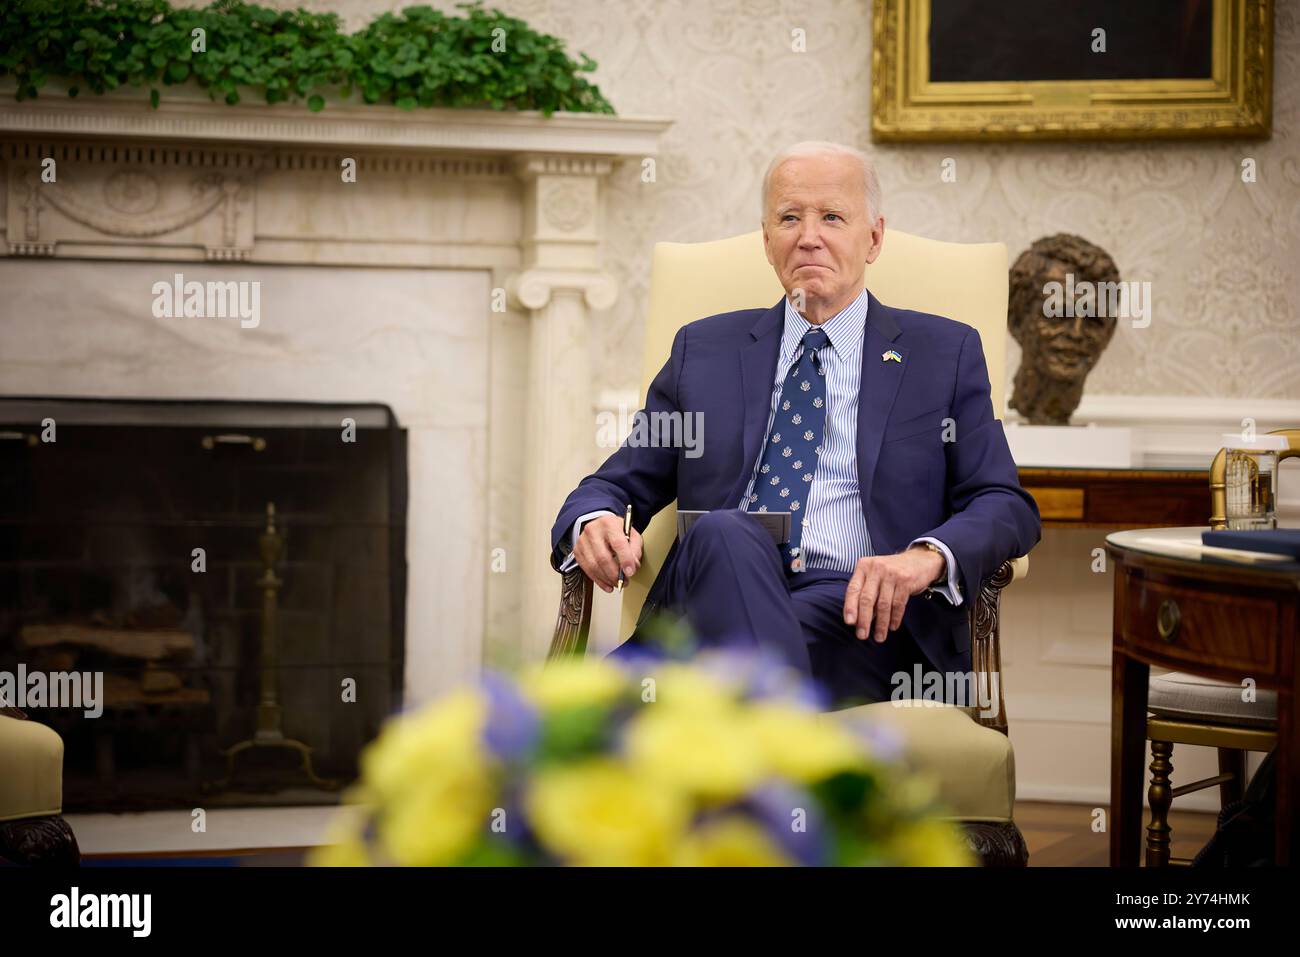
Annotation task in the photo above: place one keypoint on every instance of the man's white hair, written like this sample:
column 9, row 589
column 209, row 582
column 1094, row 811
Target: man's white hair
column 824, row 148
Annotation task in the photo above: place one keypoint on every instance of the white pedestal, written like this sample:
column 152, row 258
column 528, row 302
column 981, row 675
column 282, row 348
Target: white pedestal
column 1070, row 446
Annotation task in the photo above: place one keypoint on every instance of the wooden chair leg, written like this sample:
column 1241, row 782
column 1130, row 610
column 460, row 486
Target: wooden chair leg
column 39, row 842
column 1160, row 795
column 1232, row 761
column 996, row 843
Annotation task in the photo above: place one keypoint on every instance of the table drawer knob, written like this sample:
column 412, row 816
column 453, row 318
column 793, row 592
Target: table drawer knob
column 255, row 442
column 1167, row 619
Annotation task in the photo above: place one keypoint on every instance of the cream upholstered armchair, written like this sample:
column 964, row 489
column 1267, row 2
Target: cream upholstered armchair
column 32, row 829
column 968, row 754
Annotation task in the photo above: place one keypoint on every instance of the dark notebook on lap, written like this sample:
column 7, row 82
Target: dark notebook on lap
column 777, row 524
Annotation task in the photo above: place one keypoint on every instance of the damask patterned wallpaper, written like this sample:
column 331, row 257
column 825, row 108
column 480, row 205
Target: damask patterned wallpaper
column 1222, row 256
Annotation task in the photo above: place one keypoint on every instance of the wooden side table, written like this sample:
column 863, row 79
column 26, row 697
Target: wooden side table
column 1207, row 617
column 1118, row 498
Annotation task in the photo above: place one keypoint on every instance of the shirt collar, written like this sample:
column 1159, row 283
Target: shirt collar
column 845, row 329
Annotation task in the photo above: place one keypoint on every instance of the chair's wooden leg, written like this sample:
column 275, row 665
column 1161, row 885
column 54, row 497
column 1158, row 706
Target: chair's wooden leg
column 1232, row 761
column 1160, row 795
column 39, row 842
column 996, row 843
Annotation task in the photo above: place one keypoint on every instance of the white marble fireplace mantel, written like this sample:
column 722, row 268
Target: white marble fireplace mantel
column 454, row 279
column 185, row 113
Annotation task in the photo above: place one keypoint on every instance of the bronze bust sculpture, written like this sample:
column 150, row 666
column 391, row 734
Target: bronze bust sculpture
column 1062, row 312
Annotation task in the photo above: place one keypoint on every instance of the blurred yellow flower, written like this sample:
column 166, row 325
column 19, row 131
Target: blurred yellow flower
column 730, row 842
column 929, row 842
column 916, row 791
column 438, row 819
column 343, row 845
column 680, row 686
column 439, row 739
column 347, row 853
column 599, row 814
column 431, row 779
column 573, row 682
column 429, row 783
column 711, row 754
column 802, row 745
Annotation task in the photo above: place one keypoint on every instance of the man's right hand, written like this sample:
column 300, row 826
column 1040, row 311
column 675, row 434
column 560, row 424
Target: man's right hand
column 602, row 548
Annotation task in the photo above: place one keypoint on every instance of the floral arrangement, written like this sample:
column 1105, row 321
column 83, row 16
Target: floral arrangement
column 723, row 761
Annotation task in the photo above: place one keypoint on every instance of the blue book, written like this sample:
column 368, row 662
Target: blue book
column 1276, row 541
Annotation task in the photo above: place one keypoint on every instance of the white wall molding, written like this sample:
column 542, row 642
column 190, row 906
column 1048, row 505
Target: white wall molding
column 1170, row 409
column 1182, row 431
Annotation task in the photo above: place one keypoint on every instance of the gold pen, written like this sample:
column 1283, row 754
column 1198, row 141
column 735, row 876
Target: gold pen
column 627, row 530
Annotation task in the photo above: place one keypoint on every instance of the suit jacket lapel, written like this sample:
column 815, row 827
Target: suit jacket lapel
column 876, row 392
column 757, row 373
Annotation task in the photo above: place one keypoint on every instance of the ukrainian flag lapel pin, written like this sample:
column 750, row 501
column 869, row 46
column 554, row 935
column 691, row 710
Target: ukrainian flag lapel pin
column 891, row 356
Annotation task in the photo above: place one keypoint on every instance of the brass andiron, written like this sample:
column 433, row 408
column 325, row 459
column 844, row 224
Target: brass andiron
column 270, row 733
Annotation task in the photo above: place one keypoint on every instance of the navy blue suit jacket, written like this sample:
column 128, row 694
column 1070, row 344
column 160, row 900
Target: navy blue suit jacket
column 963, row 492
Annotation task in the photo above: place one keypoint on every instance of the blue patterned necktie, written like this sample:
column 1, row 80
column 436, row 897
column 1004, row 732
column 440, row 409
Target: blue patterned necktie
column 789, row 461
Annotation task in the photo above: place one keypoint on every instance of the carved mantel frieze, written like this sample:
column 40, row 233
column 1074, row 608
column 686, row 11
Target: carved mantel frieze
column 80, row 198
column 109, row 177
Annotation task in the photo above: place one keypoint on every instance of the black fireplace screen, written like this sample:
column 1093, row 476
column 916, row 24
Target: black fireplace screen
column 233, row 572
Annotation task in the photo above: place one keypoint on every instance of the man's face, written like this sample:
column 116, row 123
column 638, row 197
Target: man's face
column 1066, row 347
column 817, row 231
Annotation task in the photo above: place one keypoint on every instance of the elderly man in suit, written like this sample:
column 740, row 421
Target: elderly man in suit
column 872, row 426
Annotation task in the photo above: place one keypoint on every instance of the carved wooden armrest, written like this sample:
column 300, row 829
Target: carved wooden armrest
column 574, row 620
column 985, row 650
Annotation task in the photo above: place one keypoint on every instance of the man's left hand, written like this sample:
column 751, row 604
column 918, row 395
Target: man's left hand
column 882, row 584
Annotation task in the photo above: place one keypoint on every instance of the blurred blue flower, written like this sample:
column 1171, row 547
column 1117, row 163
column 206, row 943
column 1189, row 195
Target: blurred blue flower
column 792, row 818
column 763, row 674
column 517, row 830
column 635, row 659
column 512, row 726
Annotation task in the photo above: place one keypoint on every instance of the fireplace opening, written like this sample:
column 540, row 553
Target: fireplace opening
column 233, row 572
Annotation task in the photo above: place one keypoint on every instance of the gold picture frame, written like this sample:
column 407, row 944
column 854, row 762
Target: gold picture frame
column 1235, row 100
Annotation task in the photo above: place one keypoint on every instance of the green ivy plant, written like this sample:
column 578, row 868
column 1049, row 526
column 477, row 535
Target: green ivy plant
column 418, row 57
